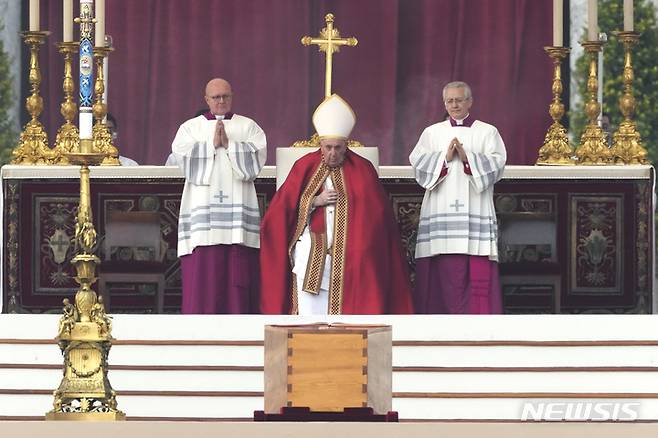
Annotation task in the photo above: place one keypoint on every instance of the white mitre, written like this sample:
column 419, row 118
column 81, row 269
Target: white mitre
column 334, row 118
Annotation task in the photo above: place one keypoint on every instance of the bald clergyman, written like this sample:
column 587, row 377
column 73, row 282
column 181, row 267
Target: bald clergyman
column 221, row 154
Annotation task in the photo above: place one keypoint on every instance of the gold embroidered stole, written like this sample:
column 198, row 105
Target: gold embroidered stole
column 315, row 265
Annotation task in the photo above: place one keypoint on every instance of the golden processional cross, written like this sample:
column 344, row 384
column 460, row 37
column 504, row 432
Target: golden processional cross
column 329, row 42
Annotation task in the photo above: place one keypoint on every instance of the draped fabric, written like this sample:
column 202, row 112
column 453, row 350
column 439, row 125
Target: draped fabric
column 166, row 51
column 220, row 279
column 368, row 271
column 457, row 284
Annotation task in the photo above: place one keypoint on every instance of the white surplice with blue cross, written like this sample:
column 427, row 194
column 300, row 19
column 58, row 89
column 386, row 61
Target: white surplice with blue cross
column 219, row 203
column 458, row 215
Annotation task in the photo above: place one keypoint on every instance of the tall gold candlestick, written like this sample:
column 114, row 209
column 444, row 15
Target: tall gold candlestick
column 68, row 136
column 33, row 143
column 101, row 134
column 556, row 149
column 626, row 142
column 593, row 147
column 85, row 330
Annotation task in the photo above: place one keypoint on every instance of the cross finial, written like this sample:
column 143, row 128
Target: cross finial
column 329, row 41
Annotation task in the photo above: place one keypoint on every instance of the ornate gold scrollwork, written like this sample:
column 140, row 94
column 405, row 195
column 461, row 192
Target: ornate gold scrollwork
column 314, row 142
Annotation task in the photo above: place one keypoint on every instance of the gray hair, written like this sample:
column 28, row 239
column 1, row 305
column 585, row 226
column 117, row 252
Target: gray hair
column 458, row 84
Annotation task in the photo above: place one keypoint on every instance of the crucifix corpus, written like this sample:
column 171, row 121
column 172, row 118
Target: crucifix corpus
column 329, row 42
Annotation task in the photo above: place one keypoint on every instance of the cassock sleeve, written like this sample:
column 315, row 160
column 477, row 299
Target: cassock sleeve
column 248, row 157
column 427, row 161
column 195, row 157
column 487, row 167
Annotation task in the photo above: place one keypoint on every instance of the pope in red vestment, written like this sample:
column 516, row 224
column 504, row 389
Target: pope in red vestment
column 366, row 267
column 374, row 276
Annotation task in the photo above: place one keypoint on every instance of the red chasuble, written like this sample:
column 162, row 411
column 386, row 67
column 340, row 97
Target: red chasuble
column 369, row 272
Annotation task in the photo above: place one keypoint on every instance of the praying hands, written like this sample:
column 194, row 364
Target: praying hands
column 456, row 147
column 220, row 139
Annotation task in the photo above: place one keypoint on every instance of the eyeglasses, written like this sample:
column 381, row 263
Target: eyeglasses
column 219, row 97
column 458, row 100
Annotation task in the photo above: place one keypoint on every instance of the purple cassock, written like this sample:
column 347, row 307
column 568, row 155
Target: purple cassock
column 457, row 283
column 220, row 279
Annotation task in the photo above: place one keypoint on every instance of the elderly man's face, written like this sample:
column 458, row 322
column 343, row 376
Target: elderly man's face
column 457, row 104
column 333, row 151
column 219, row 96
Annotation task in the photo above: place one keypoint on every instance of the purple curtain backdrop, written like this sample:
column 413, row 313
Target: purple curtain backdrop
column 166, row 51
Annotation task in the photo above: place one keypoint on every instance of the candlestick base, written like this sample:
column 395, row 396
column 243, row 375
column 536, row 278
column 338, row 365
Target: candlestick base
column 556, row 150
column 627, row 145
column 67, row 141
column 103, row 144
column 32, row 146
column 593, row 148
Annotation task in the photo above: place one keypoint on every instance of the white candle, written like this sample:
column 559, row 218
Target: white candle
column 86, row 124
column 34, row 15
column 628, row 15
column 557, row 23
column 67, row 34
column 99, row 13
column 592, row 21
